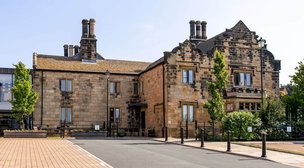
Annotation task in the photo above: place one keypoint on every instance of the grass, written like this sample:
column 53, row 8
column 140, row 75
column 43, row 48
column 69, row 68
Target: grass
column 274, row 147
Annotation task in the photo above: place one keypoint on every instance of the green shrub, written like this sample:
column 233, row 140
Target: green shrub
column 121, row 133
column 238, row 123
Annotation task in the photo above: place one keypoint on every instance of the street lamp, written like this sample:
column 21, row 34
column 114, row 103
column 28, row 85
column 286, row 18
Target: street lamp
column 261, row 43
column 107, row 76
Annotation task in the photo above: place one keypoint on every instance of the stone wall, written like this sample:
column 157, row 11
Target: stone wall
column 151, row 92
column 87, row 99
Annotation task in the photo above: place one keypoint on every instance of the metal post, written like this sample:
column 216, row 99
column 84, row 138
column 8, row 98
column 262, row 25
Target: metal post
column 166, row 133
column 202, row 137
column 187, row 129
column 229, row 141
column 110, row 129
column 262, row 87
column 117, row 128
column 182, row 135
column 108, row 133
column 264, row 145
column 195, row 125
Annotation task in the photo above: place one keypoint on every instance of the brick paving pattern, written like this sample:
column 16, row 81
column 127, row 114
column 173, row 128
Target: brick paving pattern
column 46, row 153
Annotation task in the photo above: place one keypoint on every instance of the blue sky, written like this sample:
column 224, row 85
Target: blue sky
column 143, row 30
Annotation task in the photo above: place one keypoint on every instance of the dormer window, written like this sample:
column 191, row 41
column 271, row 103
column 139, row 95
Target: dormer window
column 188, row 76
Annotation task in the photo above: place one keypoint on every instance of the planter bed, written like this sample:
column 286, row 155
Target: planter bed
column 24, row 134
column 89, row 134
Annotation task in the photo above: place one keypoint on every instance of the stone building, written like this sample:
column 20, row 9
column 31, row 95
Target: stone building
column 84, row 89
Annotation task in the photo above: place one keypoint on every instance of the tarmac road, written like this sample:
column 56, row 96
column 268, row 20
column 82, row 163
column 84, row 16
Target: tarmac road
column 151, row 154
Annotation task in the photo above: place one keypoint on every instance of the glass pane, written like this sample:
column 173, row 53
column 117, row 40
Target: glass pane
column 190, row 76
column 62, row 85
column 117, row 113
column 6, row 84
column 191, row 113
column 236, row 79
column 135, row 88
column 69, row 88
column 248, row 79
column 241, row 107
column 112, row 87
column 185, row 112
column 185, row 76
column 69, row 111
column 242, row 79
column 246, row 106
column 62, row 114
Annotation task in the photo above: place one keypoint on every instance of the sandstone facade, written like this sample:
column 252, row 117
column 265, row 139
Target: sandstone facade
column 167, row 93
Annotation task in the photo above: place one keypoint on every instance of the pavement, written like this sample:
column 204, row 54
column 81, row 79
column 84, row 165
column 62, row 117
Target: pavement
column 279, row 157
column 46, row 153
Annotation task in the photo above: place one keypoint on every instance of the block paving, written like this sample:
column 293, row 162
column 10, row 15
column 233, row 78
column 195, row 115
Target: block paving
column 46, row 153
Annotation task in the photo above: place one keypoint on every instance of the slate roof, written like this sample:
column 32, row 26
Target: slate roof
column 49, row 62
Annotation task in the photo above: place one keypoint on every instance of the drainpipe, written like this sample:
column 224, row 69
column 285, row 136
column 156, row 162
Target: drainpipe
column 164, row 115
column 41, row 122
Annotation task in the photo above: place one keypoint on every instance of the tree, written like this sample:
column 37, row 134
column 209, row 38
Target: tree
column 295, row 100
column 273, row 117
column 24, row 98
column 239, row 121
column 215, row 104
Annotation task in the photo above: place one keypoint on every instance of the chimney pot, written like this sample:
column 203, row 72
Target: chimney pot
column 92, row 28
column 71, row 50
column 76, row 49
column 66, row 50
column 204, row 36
column 85, row 28
column 198, row 30
column 192, row 29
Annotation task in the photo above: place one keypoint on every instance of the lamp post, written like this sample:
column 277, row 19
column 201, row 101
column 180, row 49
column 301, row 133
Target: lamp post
column 261, row 43
column 107, row 76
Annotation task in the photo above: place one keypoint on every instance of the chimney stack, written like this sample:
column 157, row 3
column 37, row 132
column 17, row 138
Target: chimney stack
column 88, row 41
column 76, row 49
column 204, row 36
column 192, row 29
column 92, row 29
column 85, row 28
column 66, row 50
column 71, row 50
column 198, row 30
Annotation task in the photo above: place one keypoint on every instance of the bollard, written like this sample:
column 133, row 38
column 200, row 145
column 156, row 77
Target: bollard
column 166, row 133
column 186, row 129
column 182, row 135
column 116, row 128
column 196, row 129
column 264, row 145
column 229, row 141
column 202, row 137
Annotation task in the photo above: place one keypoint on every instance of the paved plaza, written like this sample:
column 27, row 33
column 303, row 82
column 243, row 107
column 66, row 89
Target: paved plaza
column 135, row 153
column 45, row 153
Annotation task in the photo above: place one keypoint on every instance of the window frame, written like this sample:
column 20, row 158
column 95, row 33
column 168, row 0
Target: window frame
column 114, row 113
column 240, row 78
column 68, row 115
column 188, row 112
column 186, row 75
column 116, row 87
column 68, row 85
